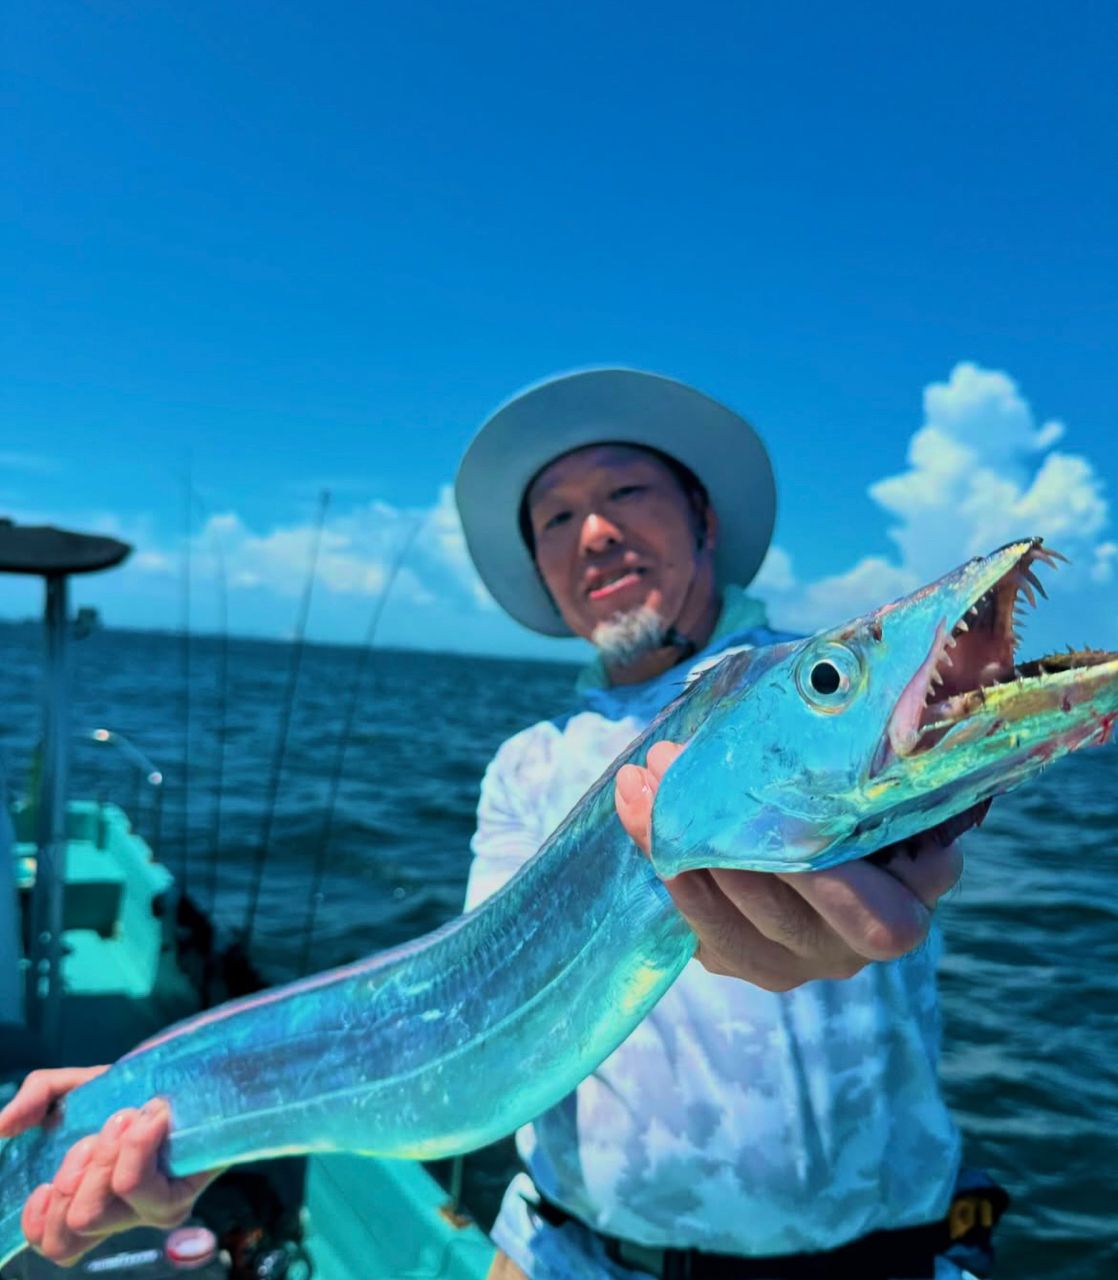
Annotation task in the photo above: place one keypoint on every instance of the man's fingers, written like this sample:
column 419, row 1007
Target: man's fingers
column 65, row 1236
column 635, row 787
column 34, row 1214
column 729, row 943
column 873, row 912
column 633, row 794
column 137, row 1178
column 58, row 1242
column 140, row 1182
column 660, row 755
column 111, row 1216
column 38, row 1094
column 779, row 931
column 782, row 916
column 929, row 870
column 95, row 1210
column 74, row 1165
column 109, row 1182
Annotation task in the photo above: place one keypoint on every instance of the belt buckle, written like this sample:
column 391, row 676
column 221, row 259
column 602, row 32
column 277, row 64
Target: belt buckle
column 644, row 1257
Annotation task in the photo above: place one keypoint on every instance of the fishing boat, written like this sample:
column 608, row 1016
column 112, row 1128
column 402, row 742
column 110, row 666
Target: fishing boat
column 100, row 947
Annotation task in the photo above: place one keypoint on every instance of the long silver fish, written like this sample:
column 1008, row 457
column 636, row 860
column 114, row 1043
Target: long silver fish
column 799, row 756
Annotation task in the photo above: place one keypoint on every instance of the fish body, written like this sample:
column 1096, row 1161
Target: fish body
column 799, row 756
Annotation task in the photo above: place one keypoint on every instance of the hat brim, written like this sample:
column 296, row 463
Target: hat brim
column 597, row 406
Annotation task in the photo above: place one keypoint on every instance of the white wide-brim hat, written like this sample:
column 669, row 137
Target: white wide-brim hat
column 604, row 406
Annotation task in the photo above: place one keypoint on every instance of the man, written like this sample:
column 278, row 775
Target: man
column 736, row 1121
column 758, row 1128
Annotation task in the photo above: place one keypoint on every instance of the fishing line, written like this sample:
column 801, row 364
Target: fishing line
column 356, row 691
column 262, row 849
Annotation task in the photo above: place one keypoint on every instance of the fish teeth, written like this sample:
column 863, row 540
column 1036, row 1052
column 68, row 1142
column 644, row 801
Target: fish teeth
column 1049, row 556
column 1028, row 574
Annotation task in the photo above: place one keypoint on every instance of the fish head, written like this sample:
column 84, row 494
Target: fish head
column 908, row 719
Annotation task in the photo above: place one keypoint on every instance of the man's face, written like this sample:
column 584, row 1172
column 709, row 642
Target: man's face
column 615, row 533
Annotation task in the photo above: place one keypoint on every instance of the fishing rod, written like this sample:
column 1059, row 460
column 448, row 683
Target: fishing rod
column 356, row 691
column 221, row 706
column 184, row 855
column 263, row 847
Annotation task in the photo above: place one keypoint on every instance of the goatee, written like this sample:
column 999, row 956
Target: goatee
column 627, row 636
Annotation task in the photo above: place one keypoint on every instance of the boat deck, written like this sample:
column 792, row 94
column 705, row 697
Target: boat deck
column 361, row 1218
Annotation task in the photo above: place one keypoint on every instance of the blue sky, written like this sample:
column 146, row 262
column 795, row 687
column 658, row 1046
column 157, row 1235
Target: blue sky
column 309, row 246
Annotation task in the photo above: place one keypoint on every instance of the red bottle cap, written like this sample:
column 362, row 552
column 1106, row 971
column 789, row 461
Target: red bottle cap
column 188, row 1248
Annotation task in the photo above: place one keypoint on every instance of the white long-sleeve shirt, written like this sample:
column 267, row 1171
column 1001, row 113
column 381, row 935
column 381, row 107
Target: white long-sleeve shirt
column 732, row 1120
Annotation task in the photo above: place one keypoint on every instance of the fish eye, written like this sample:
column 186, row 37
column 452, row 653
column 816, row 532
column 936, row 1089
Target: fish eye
column 829, row 676
column 825, row 677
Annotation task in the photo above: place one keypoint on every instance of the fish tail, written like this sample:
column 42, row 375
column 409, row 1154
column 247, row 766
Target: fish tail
column 12, row 1240
column 26, row 1162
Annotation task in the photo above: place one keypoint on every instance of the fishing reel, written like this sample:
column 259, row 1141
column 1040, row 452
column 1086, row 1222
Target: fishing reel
column 255, row 1217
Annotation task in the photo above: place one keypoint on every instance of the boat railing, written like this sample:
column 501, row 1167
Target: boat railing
column 147, row 782
column 11, row 976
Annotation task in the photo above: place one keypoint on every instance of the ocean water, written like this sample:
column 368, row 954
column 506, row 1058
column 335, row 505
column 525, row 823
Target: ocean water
column 1029, row 980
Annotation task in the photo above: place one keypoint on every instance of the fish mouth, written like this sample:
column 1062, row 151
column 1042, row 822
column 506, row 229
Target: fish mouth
column 972, row 672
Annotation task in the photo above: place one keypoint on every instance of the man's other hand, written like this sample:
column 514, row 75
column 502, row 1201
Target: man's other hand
column 107, row 1182
column 779, row 931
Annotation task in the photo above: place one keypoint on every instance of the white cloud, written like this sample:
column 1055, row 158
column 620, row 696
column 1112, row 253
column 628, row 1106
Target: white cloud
column 977, row 471
column 776, row 572
column 866, row 584
column 442, row 541
column 984, row 407
column 359, row 554
column 980, row 473
column 279, row 559
column 265, row 570
column 1102, row 570
column 152, row 562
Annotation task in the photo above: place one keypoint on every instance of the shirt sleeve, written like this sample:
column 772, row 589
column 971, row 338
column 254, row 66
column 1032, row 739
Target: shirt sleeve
column 509, row 819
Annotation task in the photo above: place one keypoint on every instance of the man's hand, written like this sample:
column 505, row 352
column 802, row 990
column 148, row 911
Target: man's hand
column 779, row 931
column 107, row 1182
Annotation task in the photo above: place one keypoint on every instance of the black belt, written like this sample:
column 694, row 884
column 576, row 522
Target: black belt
column 908, row 1253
